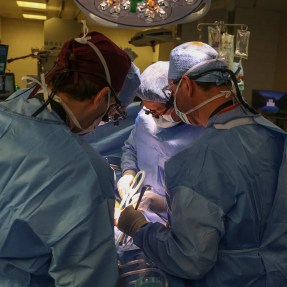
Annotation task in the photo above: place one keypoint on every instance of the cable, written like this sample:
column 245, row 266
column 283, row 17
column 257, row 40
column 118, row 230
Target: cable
column 20, row 94
column 58, row 81
column 238, row 95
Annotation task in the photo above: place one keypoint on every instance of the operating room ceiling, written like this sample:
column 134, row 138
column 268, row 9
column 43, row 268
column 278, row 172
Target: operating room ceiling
column 67, row 9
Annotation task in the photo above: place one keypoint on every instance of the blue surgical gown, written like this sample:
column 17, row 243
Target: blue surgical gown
column 228, row 196
column 56, row 203
column 149, row 147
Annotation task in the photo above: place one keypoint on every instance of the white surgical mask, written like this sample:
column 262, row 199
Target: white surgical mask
column 165, row 121
column 183, row 116
column 73, row 118
column 91, row 128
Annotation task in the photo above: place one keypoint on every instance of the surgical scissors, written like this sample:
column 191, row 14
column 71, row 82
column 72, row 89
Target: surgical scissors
column 135, row 185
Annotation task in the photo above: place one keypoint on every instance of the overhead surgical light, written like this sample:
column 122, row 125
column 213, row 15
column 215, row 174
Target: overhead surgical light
column 143, row 13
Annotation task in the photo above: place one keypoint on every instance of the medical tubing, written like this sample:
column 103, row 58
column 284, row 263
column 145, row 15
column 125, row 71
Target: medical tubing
column 136, row 261
column 145, row 271
column 58, row 81
column 238, row 93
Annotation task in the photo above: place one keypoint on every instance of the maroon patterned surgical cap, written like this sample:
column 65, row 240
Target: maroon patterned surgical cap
column 81, row 59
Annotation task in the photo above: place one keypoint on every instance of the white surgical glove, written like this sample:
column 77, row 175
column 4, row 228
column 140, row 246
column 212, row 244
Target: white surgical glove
column 125, row 181
column 151, row 201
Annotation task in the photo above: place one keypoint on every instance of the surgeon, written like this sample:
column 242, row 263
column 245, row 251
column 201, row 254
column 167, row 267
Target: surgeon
column 126, row 96
column 227, row 191
column 109, row 136
column 56, row 192
column 158, row 134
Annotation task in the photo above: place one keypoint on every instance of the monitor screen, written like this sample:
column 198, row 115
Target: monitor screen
column 3, row 58
column 7, row 85
column 270, row 102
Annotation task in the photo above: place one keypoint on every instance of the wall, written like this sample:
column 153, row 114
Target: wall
column 265, row 68
column 260, row 67
column 21, row 36
column 0, row 30
column 280, row 81
column 266, row 65
column 121, row 37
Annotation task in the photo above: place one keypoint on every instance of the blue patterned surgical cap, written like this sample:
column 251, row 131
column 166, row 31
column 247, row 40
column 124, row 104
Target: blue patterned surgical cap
column 153, row 80
column 199, row 56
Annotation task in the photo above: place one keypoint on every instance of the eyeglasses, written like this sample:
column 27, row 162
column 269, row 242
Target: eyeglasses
column 154, row 114
column 115, row 112
column 150, row 112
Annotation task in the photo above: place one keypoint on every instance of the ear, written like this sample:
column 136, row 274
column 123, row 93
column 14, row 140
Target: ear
column 188, row 85
column 100, row 96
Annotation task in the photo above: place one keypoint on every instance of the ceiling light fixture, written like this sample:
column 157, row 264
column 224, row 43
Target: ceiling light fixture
column 35, row 16
column 143, row 13
column 34, row 5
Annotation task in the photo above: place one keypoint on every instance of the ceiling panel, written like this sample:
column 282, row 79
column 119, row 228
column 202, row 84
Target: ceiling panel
column 65, row 9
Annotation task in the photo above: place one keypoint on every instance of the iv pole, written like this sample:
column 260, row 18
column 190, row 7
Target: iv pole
column 221, row 26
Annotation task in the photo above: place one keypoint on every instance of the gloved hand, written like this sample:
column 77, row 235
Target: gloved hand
column 124, row 183
column 151, row 201
column 131, row 220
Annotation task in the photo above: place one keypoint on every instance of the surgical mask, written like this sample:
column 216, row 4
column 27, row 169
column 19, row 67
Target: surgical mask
column 91, row 128
column 165, row 121
column 183, row 116
column 73, row 118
